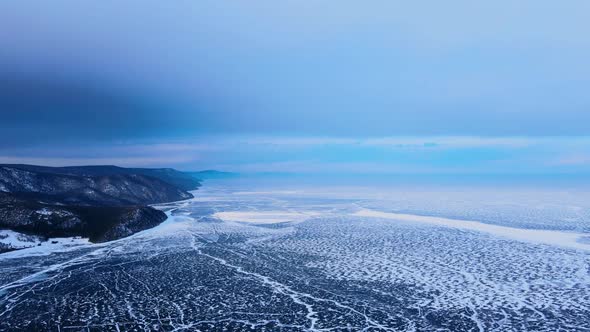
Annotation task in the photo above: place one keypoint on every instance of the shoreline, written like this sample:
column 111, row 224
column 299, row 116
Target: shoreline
column 62, row 244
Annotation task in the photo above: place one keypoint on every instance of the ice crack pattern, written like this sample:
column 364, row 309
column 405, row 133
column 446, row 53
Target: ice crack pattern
column 316, row 260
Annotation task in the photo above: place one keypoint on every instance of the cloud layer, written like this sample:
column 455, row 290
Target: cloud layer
column 154, row 70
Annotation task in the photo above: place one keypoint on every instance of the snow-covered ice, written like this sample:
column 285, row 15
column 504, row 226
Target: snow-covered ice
column 557, row 238
column 264, row 217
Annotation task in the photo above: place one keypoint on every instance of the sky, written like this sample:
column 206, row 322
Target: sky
column 425, row 87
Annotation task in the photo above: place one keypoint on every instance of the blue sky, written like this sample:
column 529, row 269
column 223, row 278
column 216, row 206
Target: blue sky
column 379, row 86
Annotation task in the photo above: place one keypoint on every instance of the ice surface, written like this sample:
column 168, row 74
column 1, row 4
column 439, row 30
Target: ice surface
column 321, row 259
column 264, row 217
column 557, row 238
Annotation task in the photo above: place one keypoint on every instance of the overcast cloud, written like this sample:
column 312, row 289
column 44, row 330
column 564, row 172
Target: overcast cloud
column 104, row 72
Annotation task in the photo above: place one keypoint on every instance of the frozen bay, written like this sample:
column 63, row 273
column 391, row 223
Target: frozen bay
column 287, row 257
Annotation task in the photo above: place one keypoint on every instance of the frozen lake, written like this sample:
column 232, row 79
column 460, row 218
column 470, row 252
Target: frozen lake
column 286, row 257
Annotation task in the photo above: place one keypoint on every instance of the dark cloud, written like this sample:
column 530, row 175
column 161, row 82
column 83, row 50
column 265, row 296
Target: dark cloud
column 41, row 109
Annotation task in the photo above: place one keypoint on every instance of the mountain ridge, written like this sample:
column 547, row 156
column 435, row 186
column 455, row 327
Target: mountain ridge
column 101, row 203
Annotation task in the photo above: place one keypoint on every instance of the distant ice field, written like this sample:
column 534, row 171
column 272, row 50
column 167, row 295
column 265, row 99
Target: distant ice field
column 245, row 256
